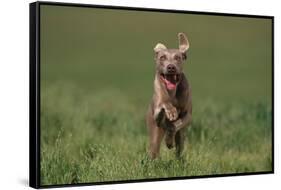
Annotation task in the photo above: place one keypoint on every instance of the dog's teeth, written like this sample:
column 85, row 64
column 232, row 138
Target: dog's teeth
column 175, row 77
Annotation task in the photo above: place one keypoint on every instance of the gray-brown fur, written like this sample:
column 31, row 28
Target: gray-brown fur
column 170, row 110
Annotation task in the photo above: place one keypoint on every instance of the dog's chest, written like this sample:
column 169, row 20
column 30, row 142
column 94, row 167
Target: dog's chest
column 179, row 99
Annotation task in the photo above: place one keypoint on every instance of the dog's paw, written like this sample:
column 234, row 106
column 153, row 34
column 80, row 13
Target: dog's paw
column 177, row 124
column 170, row 139
column 171, row 113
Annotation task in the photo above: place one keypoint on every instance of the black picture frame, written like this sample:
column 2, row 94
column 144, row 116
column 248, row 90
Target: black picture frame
column 34, row 93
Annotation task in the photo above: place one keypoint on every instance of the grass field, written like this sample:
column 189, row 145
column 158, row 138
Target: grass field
column 96, row 84
column 87, row 139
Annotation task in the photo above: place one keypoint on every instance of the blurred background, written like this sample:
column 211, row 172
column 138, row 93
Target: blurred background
column 229, row 57
column 97, row 72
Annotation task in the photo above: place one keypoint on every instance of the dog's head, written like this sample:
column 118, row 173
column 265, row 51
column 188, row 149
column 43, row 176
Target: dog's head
column 169, row 62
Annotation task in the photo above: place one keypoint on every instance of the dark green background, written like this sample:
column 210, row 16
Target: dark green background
column 229, row 57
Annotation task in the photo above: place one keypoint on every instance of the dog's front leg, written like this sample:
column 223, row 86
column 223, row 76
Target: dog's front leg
column 158, row 115
column 182, row 122
column 165, row 109
column 171, row 111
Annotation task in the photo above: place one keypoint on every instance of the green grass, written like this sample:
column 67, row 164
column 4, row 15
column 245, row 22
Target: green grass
column 96, row 84
column 91, row 137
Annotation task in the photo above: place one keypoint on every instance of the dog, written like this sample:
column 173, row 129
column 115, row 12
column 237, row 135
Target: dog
column 171, row 108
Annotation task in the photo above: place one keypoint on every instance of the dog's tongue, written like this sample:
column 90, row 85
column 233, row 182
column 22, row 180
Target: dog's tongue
column 170, row 85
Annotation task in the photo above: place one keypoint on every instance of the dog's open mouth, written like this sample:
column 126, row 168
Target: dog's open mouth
column 170, row 80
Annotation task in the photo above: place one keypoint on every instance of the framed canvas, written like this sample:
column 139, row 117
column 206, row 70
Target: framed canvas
column 123, row 94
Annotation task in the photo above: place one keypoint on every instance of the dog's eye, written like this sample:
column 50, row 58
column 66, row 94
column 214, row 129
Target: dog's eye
column 177, row 58
column 163, row 57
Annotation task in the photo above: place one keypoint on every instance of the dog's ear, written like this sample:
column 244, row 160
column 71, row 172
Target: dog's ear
column 159, row 47
column 183, row 43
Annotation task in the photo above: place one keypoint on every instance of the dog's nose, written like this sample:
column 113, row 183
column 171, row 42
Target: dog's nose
column 171, row 68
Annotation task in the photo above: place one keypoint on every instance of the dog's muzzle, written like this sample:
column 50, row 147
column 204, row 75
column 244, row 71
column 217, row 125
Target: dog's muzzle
column 170, row 80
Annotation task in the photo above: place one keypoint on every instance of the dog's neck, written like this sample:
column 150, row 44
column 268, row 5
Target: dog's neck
column 172, row 93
